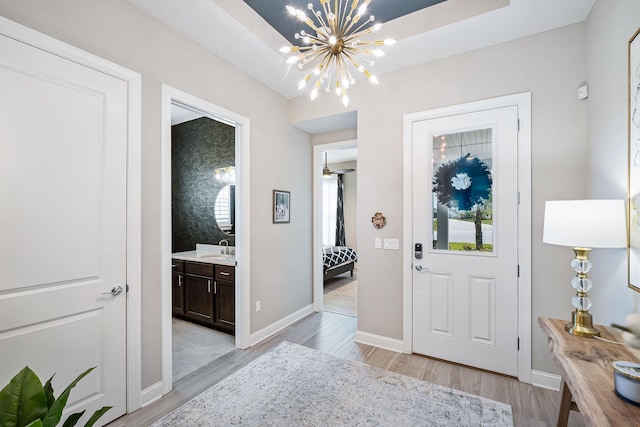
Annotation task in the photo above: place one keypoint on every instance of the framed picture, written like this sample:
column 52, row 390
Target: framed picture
column 281, row 207
column 634, row 161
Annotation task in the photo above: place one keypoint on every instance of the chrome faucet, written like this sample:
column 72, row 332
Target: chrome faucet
column 226, row 251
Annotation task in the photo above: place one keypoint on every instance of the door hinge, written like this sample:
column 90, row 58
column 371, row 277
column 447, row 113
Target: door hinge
column 517, row 197
column 518, row 343
column 518, row 125
column 518, row 270
column 127, row 287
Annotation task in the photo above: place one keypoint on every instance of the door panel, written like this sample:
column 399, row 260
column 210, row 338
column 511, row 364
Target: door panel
column 63, row 140
column 465, row 215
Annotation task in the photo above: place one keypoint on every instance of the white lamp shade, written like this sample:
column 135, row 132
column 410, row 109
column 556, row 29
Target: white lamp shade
column 585, row 223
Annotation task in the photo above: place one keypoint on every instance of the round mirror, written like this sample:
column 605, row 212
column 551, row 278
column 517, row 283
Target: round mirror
column 225, row 209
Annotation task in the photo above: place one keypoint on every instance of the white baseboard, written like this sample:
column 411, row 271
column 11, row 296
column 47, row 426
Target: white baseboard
column 380, row 341
column 546, row 380
column 151, row 393
column 265, row 333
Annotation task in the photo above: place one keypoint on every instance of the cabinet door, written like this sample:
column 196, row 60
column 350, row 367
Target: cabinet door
column 199, row 298
column 178, row 293
column 225, row 312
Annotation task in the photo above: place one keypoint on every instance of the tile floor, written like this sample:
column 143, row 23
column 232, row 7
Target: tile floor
column 194, row 346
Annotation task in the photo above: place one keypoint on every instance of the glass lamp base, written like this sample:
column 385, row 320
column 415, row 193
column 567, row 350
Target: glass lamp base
column 581, row 325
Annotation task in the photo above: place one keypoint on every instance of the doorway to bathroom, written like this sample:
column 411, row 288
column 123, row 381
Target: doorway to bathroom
column 205, row 234
column 202, row 217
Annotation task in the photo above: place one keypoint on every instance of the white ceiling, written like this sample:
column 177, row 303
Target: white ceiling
column 234, row 31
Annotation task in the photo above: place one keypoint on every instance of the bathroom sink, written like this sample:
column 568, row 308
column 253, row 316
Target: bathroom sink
column 217, row 256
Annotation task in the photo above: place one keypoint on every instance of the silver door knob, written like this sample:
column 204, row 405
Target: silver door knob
column 116, row 290
column 418, row 267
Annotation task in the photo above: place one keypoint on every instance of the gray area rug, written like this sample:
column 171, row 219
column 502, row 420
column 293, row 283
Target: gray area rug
column 293, row 385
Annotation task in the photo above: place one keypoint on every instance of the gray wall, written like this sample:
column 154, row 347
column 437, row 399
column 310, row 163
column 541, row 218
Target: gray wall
column 198, row 147
column 118, row 31
column 551, row 65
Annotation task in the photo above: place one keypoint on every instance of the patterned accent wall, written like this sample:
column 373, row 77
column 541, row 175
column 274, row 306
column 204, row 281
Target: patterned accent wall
column 198, row 147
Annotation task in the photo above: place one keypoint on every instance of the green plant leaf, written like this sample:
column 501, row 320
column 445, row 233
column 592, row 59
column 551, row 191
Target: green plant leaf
column 96, row 416
column 48, row 390
column 23, row 400
column 52, row 417
column 36, row 423
column 72, row 419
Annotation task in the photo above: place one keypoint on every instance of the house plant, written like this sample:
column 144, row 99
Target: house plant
column 25, row 402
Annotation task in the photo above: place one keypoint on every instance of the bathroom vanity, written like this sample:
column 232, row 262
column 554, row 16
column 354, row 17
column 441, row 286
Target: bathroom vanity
column 203, row 288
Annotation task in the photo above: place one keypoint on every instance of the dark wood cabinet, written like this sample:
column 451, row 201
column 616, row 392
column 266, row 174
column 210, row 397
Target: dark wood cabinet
column 225, row 312
column 205, row 293
column 198, row 292
column 177, row 286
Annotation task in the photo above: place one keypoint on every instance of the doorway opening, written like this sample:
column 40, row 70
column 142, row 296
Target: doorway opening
column 204, row 292
column 335, row 267
column 203, row 215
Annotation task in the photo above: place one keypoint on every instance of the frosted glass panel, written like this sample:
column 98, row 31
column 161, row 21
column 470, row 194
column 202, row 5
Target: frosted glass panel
column 462, row 190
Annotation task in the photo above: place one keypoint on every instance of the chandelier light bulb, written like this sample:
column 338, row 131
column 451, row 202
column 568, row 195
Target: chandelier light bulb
column 333, row 44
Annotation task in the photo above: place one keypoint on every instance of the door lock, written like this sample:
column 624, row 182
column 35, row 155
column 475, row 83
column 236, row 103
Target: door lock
column 116, row 290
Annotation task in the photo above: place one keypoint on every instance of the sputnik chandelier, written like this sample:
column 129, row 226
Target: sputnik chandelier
column 334, row 45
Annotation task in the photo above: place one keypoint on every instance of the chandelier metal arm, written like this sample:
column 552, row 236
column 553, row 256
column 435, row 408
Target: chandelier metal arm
column 334, row 44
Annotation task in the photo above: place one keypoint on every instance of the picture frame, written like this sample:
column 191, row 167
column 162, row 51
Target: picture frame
column 281, row 207
column 634, row 161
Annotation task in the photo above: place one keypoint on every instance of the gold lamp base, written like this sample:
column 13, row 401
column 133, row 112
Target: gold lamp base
column 582, row 325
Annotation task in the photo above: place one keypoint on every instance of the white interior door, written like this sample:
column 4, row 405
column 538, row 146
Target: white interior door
column 63, row 140
column 465, row 196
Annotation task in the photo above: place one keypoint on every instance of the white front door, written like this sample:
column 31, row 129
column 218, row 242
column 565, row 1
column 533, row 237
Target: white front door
column 465, row 217
column 63, row 142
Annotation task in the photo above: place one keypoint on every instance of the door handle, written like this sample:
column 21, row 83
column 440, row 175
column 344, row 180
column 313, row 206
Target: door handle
column 420, row 268
column 116, row 290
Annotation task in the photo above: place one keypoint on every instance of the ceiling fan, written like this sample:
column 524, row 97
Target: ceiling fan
column 327, row 173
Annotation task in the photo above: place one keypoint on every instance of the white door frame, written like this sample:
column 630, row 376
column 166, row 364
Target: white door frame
column 523, row 103
column 242, row 304
column 318, row 161
column 134, row 190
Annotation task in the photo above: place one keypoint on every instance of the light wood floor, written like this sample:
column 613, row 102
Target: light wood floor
column 340, row 294
column 335, row 334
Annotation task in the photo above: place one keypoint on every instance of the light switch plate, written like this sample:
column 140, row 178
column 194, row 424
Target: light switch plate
column 378, row 243
column 391, row 244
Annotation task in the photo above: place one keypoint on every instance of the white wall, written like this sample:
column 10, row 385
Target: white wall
column 551, row 65
column 121, row 33
column 609, row 28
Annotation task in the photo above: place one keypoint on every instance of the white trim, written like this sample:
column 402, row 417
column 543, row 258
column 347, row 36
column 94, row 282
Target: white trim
column 273, row 328
column 385, row 343
column 151, row 393
column 546, row 380
column 318, row 152
column 134, row 192
column 523, row 102
column 243, row 271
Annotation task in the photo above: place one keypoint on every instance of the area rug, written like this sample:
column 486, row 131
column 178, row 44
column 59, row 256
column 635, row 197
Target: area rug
column 292, row 385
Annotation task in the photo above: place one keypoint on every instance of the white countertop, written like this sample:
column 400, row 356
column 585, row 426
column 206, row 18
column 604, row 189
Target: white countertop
column 208, row 258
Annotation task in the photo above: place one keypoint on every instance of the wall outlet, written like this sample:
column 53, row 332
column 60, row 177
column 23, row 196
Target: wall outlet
column 258, row 306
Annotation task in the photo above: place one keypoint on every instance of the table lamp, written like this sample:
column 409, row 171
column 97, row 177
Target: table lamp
column 583, row 225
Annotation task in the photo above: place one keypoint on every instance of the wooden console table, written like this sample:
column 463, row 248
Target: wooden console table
column 587, row 375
